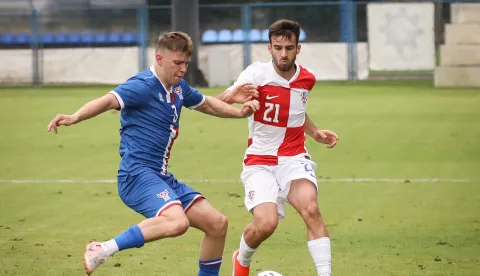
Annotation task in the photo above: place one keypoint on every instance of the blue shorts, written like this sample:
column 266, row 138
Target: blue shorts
column 150, row 193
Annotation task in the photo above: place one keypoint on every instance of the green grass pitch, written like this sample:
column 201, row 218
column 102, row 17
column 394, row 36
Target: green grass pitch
column 387, row 222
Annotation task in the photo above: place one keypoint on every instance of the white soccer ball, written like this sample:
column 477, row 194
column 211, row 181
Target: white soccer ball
column 269, row 273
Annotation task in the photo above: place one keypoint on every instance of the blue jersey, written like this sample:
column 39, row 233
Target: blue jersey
column 150, row 120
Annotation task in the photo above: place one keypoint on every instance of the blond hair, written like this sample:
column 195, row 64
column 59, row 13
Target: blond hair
column 175, row 42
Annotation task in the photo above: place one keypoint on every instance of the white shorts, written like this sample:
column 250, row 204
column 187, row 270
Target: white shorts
column 272, row 183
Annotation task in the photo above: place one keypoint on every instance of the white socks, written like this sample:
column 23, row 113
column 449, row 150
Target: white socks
column 110, row 247
column 321, row 252
column 245, row 253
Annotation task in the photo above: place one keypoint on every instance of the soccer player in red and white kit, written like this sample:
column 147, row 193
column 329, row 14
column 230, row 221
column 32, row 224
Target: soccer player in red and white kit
column 277, row 167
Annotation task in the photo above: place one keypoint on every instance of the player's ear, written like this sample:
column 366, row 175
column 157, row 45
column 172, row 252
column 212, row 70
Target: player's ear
column 299, row 47
column 159, row 58
column 270, row 48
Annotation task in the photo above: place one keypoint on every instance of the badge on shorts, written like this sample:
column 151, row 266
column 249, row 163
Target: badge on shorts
column 251, row 194
column 164, row 195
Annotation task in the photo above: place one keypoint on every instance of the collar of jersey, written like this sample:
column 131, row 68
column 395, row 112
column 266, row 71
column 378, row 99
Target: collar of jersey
column 152, row 69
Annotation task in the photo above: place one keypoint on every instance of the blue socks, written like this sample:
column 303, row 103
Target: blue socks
column 131, row 238
column 210, row 267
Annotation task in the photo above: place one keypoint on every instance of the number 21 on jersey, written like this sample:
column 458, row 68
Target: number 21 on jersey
column 271, row 112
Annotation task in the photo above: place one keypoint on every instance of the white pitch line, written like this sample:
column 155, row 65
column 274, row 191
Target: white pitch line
column 344, row 180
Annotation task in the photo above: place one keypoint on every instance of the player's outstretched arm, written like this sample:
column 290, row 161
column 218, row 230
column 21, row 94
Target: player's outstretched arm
column 89, row 110
column 218, row 108
column 327, row 137
column 239, row 94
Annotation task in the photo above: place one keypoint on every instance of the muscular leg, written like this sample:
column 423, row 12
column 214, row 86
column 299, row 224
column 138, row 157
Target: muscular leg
column 265, row 221
column 303, row 197
column 261, row 190
column 207, row 219
column 171, row 223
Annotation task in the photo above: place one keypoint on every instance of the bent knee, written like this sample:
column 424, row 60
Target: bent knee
column 222, row 226
column 311, row 211
column 181, row 226
column 218, row 227
column 267, row 226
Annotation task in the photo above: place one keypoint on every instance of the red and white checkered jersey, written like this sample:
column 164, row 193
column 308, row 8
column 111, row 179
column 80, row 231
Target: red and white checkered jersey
column 276, row 130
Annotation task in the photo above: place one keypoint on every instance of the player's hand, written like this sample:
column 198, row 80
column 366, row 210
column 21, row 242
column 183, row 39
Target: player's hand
column 242, row 94
column 327, row 137
column 61, row 120
column 249, row 108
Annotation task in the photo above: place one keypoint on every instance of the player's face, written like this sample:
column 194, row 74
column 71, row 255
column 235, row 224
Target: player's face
column 284, row 51
column 174, row 64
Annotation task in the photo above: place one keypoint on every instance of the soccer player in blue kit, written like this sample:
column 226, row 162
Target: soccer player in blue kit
column 150, row 104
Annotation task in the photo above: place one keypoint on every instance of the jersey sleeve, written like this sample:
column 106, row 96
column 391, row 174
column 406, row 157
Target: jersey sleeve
column 132, row 93
column 313, row 79
column 249, row 75
column 192, row 98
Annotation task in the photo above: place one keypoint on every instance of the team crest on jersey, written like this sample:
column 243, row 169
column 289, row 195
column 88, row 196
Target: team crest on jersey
column 304, row 98
column 178, row 91
column 251, row 194
column 164, row 195
column 160, row 96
